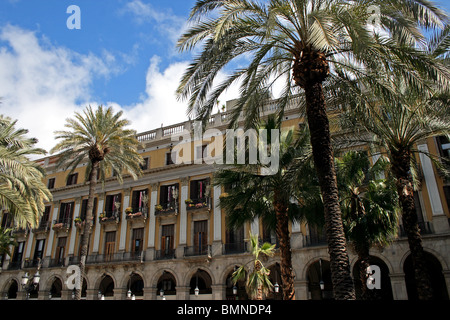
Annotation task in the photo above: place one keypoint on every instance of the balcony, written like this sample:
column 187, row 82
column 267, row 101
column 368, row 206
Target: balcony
column 109, row 217
column 165, row 209
column 62, row 225
column 31, row 263
column 234, row 248
column 165, row 254
column 315, row 240
column 137, row 213
column 115, row 257
column 44, row 227
column 194, row 204
column 424, row 227
column 57, row 263
column 197, row 251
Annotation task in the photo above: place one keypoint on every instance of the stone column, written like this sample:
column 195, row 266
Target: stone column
column 217, row 216
column 97, row 229
column 152, row 221
column 73, row 230
column 184, row 195
column 301, row 290
column 123, row 221
column 182, row 293
column 218, row 291
column 48, row 252
column 439, row 221
column 399, row 286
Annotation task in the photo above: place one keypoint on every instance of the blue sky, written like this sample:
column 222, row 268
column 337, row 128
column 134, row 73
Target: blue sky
column 123, row 56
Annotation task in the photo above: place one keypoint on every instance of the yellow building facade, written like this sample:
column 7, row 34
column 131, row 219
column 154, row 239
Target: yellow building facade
column 164, row 235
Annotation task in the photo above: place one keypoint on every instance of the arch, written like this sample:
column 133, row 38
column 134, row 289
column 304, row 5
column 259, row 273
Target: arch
column 127, row 276
column 434, row 253
column 434, row 266
column 106, row 285
column 383, row 258
column 275, row 278
column 385, row 291
column 202, row 280
column 318, row 275
column 166, row 285
column 12, row 288
column 241, row 293
column 160, row 272
column 135, row 284
column 56, row 288
column 304, row 272
column 192, row 272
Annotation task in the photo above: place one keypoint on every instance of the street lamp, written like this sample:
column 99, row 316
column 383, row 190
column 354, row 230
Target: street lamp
column 196, row 290
column 29, row 283
column 234, row 290
column 129, row 294
column 321, row 283
column 276, row 287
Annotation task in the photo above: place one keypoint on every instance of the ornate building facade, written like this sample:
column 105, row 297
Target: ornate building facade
column 164, row 235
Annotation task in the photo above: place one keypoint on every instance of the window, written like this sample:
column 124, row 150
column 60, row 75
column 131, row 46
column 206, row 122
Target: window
column 137, row 241
column 18, row 252
column 51, row 183
column 201, row 236
column 39, row 249
column 6, row 220
column 65, row 212
column 443, row 146
column 171, row 158
column 145, row 165
column 201, row 152
column 447, row 195
column 112, row 205
column 199, row 189
column 60, row 250
column 72, row 179
column 168, row 196
column 139, row 200
column 167, row 240
column 110, row 243
column 83, row 211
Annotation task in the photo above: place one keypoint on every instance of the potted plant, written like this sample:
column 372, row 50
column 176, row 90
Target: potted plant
column 188, row 201
column 129, row 210
column 158, row 207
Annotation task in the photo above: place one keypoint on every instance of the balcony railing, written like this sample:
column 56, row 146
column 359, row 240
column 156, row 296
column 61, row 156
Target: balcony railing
column 137, row 212
column 166, row 208
column 165, row 254
column 234, row 248
column 62, row 224
column 31, row 263
column 197, row 251
column 315, row 240
column 424, row 227
column 115, row 257
column 109, row 216
column 54, row 263
column 44, row 226
column 192, row 204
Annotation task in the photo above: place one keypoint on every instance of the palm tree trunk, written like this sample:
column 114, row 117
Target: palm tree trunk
column 402, row 172
column 87, row 226
column 282, row 230
column 363, row 257
column 326, row 173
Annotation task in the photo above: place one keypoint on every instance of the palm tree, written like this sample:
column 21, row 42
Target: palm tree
column 271, row 197
column 309, row 47
column 7, row 240
column 369, row 208
column 98, row 137
column 22, row 190
column 397, row 126
column 258, row 283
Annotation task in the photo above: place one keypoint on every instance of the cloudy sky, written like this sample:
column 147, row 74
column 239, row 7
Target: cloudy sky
column 123, row 56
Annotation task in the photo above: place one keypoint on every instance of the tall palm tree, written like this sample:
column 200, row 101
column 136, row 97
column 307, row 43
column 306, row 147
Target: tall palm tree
column 258, row 283
column 271, row 197
column 369, row 208
column 22, row 190
column 308, row 46
column 100, row 138
column 397, row 126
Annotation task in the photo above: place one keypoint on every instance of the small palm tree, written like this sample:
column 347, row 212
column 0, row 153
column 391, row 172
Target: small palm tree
column 7, row 240
column 98, row 137
column 257, row 284
column 22, row 190
column 369, row 208
column 309, row 47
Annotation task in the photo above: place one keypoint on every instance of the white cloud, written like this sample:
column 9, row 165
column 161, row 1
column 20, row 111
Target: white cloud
column 41, row 85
